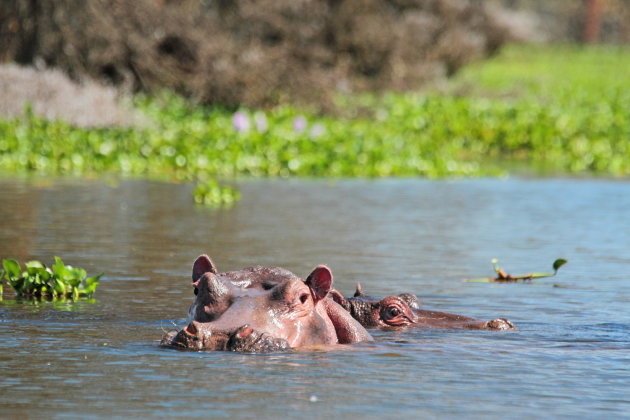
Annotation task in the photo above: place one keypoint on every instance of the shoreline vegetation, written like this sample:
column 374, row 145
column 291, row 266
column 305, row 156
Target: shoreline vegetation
column 551, row 109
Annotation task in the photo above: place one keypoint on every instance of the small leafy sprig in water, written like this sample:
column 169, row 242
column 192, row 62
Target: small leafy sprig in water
column 58, row 281
column 212, row 194
column 504, row 277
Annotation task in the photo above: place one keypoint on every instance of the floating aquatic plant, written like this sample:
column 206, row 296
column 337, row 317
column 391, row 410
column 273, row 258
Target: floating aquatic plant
column 58, row 281
column 504, row 277
column 212, row 194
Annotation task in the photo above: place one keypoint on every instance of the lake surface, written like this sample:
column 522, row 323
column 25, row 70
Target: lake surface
column 570, row 357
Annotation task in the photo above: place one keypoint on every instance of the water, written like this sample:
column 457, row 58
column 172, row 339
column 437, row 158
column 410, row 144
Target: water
column 570, row 357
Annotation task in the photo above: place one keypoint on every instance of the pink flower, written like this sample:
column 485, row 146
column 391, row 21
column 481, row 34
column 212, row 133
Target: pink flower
column 299, row 124
column 240, row 122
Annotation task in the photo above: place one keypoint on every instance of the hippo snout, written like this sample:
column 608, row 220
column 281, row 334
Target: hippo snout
column 246, row 339
column 197, row 336
column 214, row 295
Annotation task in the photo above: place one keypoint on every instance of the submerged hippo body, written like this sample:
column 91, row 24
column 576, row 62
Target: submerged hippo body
column 263, row 309
column 404, row 311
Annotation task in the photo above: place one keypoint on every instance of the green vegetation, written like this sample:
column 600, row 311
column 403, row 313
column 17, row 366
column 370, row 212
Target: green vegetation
column 213, row 194
column 553, row 109
column 57, row 282
column 504, row 277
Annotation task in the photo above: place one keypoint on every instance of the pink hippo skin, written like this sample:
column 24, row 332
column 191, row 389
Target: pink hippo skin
column 263, row 309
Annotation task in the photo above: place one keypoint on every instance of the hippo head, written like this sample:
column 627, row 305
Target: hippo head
column 267, row 307
column 290, row 309
column 404, row 311
column 389, row 312
column 213, row 290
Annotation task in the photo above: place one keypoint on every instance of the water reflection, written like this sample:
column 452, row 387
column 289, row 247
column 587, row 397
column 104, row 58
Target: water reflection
column 569, row 357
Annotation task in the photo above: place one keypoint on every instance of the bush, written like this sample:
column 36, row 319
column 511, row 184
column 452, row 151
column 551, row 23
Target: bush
column 249, row 53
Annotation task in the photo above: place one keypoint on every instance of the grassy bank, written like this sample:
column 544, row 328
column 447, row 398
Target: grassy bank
column 562, row 109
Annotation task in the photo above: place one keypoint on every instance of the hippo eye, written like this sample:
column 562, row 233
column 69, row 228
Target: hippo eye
column 303, row 298
column 396, row 312
column 393, row 312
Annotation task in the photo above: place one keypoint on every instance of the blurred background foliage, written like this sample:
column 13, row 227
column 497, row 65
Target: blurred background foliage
column 244, row 52
column 313, row 88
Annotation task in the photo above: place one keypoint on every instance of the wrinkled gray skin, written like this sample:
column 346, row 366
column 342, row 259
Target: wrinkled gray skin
column 404, row 311
column 262, row 309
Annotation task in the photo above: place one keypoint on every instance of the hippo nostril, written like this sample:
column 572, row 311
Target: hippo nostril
column 191, row 329
column 303, row 298
column 245, row 331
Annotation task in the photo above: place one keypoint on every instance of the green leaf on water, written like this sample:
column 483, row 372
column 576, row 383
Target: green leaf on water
column 12, row 268
column 59, row 268
column 63, row 271
column 75, row 275
column 34, row 267
column 60, row 287
column 559, row 263
column 495, row 265
column 91, row 284
column 502, row 276
column 483, row 280
column 61, row 281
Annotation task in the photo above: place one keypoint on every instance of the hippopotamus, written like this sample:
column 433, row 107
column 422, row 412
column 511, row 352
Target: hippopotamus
column 260, row 309
column 404, row 311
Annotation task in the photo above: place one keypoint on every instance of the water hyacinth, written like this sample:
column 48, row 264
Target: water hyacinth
column 60, row 281
column 574, row 121
column 299, row 124
column 240, row 122
column 317, row 130
column 261, row 122
column 212, row 194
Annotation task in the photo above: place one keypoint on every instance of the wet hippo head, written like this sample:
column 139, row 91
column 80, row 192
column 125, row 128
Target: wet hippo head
column 251, row 277
column 404, row 311
column 289, row 310
column 213, row 297
column 214, row 291
column 391, row 311
column 272, row 303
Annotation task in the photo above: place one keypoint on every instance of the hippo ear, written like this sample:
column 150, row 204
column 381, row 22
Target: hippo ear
column 320, row 282
column 338, row 297
column 202, row 265
column 359, row 291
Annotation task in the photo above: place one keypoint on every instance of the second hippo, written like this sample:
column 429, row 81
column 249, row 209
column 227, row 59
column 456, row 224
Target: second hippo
column 404, row 311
